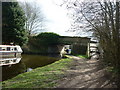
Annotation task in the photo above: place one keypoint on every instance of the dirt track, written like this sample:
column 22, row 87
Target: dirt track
column 85, row 74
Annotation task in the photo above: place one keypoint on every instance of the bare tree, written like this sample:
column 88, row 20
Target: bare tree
column 105, row 24
column 34, row 17
column 103, row 19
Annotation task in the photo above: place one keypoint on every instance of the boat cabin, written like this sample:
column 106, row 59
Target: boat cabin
column 10, row 48
column 10, row 51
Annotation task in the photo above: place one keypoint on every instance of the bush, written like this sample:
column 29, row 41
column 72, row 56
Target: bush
column 42, row 44
column 48, row 38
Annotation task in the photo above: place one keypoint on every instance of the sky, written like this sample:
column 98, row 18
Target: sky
column 58, row 21
column 56, row 17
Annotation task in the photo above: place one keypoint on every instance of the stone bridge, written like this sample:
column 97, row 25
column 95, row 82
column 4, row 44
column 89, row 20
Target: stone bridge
column 78, row 45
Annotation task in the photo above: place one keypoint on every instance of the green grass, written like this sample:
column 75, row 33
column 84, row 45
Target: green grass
column 41, row 77
column 82, row 56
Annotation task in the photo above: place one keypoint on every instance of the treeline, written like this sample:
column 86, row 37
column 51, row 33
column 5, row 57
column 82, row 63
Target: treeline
column 13, row 22
column 20, row 21
column 103, row 19
column 21, row 25
column 42, row 43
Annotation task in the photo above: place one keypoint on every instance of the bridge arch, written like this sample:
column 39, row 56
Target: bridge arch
column 78, row 45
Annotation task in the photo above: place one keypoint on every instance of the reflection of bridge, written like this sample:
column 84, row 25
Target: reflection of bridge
column 78, row 45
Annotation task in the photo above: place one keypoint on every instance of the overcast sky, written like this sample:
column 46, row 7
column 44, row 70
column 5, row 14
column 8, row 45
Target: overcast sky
column 56, row 16
column 58, row 20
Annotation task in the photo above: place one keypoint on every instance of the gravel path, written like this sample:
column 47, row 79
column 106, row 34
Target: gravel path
column 85, row 74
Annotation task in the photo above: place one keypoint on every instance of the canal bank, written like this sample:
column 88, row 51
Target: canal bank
column 41, row 77
column 71, row 72
column 27, row 63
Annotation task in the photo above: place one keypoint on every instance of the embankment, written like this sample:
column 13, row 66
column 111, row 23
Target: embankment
column 41, row 77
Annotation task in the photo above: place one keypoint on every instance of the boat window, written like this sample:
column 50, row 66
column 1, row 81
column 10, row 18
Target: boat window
column 15, row 48
column 12, row 49
column 0, row 49
column 3, row 48
column 8, row 48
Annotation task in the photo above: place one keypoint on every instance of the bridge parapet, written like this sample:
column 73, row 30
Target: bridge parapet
column 73, row 40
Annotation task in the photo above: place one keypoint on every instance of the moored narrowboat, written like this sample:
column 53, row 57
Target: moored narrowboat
column 7, row 51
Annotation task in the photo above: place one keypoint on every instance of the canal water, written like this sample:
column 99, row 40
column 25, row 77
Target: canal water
column 27, row 63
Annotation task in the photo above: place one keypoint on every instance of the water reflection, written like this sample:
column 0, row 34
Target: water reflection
column 9, row 71
column 34, row 61
column 9, row 61
column 27, row 63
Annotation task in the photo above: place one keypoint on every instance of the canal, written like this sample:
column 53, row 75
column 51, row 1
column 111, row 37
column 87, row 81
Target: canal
column 27, row 63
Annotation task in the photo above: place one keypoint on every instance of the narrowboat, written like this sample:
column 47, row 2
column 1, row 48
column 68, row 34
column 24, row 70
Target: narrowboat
column 7, row 51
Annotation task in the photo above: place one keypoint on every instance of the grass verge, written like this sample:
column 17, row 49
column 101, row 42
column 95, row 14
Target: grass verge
column 42, row 77
column 82, row 56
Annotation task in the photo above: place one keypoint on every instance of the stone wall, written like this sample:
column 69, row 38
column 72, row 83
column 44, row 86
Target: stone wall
column 72, row 40
column 55, row 49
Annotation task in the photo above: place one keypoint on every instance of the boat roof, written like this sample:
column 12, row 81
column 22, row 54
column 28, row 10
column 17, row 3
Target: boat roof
column 9, row 45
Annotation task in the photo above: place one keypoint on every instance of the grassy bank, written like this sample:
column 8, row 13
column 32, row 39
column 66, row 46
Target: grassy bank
column 41, row 77
column 82, row 56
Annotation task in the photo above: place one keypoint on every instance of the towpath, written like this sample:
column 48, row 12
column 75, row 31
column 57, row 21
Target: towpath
column 85, row 73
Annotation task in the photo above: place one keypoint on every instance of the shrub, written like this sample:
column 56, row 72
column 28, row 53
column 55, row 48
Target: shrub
column 48, row 38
